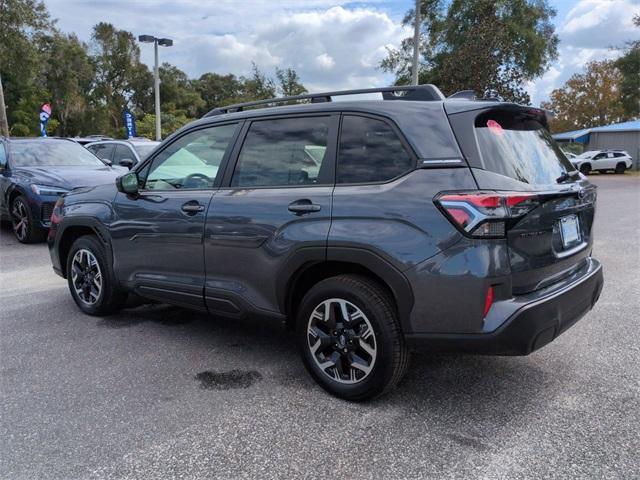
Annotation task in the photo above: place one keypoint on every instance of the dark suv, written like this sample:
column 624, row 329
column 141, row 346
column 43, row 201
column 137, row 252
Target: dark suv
column 367, row 226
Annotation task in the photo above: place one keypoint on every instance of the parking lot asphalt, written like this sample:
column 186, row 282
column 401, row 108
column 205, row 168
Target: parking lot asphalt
column 161, row 392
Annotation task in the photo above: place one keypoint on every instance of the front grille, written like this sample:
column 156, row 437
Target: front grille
column 45, row 213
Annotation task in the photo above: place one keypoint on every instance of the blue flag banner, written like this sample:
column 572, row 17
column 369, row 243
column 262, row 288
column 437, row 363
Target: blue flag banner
column 45, row 114
column 129, row 123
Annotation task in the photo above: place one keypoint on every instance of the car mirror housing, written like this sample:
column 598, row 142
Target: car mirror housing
column 128, row 183
column 126, row 162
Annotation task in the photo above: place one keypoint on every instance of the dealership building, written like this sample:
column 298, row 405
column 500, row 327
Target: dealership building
column 617, row 136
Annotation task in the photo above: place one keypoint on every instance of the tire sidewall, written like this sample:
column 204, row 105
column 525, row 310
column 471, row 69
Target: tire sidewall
column 382, row 369
column 98, row 251
column 32, row 228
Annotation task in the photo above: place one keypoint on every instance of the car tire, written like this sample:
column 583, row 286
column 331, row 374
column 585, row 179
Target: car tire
column 368, row 336
column 23, row 222
column 585, row 169
column 91, row 281
column 621, row 168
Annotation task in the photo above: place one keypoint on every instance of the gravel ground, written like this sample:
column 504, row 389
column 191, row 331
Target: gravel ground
column 160, row 392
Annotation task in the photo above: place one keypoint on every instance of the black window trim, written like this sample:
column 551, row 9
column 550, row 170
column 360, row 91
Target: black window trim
column 180, row 134
column 403, row 140
column 331, row 151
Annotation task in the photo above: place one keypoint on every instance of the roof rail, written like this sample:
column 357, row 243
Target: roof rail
column 463, row 95
column 413, row 92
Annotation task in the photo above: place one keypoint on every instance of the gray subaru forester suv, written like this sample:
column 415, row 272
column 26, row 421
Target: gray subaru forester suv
column 370, row 227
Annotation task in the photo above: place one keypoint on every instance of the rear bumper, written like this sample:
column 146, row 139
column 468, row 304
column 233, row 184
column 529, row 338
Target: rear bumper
column 537, row 320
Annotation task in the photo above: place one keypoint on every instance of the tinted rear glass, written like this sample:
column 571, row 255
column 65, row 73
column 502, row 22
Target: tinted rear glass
column 518, row 146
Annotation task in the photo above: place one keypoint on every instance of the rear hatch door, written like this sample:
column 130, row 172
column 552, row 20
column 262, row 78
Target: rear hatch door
column 509, row 149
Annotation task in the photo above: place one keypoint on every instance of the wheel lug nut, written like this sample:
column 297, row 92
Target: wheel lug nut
column 344, row 350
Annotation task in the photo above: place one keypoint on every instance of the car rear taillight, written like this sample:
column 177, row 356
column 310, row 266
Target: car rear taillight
column 485, row 214
column 488, row 301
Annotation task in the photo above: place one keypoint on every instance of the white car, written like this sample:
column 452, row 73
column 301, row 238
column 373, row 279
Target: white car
column 602, row 161
column 569, row 155
column 125, row 153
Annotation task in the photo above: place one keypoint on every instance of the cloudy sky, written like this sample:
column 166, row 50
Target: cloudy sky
column 333, row 44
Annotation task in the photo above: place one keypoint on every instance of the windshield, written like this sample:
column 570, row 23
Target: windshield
column 59, row 153
column 144, row 150
column 518, row 146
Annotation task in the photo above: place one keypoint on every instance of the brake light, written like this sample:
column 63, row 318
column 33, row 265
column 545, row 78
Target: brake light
column 485, row 214
column 488, row 301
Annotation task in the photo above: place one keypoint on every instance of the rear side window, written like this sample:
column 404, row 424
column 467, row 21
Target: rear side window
column 370, row 152
column 102, row 150
column 517, row 145
column 281, row 152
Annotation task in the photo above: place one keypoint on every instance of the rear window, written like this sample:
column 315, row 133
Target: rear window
column 518, row 146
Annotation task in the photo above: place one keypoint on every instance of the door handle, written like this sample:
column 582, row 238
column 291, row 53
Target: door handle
column 191, row 208
column 300, row 207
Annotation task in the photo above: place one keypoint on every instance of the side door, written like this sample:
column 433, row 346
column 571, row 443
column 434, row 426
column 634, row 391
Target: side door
column 599, row 162
column 157, row 235
column 272, row 213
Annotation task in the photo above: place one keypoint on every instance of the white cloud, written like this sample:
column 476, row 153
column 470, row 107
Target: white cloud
column 590, row 31
column 328, row 43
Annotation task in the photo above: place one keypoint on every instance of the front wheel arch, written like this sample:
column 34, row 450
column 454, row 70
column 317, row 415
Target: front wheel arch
column 70, row 232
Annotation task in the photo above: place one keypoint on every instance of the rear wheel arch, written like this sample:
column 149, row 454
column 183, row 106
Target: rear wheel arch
column 363, row 263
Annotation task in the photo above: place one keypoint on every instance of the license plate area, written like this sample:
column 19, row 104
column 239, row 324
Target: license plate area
column 570, row 231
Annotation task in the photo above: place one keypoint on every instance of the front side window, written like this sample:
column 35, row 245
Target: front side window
column 370, row 152
column 123, row 152
column 3, row 156
column 289, row 151
column 191, row 162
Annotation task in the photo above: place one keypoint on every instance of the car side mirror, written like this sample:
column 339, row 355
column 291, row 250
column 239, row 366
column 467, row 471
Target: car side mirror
column 128, row 183
column 126, row 162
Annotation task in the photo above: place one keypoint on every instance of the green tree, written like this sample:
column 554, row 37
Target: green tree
column 178, row 94
column 587, row 99
column 68, row 77
column 629, row 67
column 23, row 24
column 256, row 87
column 481, row 45
column 289, row 82
column 118, row 71
column 217, row 90
column 171, row 122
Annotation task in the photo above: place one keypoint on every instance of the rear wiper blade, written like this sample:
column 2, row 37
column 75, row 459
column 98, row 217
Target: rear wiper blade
column 564, row 177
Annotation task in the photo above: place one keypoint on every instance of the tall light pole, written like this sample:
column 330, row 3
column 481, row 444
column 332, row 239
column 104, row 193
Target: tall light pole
column 164, row 42
column 416, row 45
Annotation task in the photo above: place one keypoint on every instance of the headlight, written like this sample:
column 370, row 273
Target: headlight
column 47, row 190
